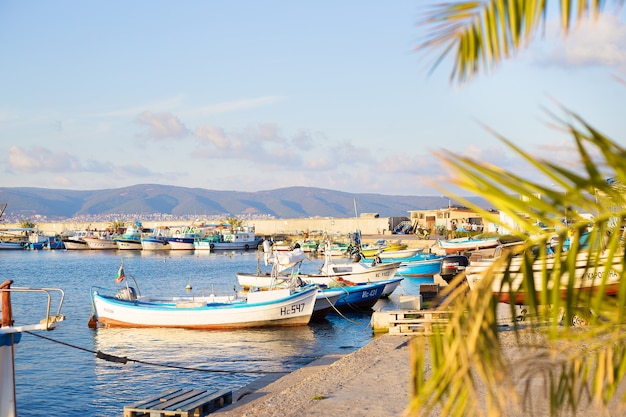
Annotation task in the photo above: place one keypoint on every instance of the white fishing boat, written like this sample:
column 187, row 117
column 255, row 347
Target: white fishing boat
column 13, row 238
column 75, row 240
column 131, row 238
column 239, row 239
column 463, row 244
column 102, row 242
column 183, row 239
column 157, row 240
column 277, row 307
column 590, row 274
column 400, row 253
column 331, row 274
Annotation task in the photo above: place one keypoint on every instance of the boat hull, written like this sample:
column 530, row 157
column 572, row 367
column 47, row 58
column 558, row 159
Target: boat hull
column 71, row 244
column 96, row 243
column 467, row 244
column 128, row 244
column 7, row 245
column 200, row 245
column 325, row 302
column 355, row 272
column 199, row 313
column 360, row 297
column 401, row 253
column 180, row 243
column 604, row 278
column 425, row 268
column 155, row 244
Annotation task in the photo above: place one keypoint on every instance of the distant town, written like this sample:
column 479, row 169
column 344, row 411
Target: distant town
column 10, row 218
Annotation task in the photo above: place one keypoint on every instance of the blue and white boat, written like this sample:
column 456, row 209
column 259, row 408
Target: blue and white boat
column 183, row 239
column 157, row 240
column 420, row 265
column 240, row 239
column 360, row 297
column 131, row 238
column 278, row 307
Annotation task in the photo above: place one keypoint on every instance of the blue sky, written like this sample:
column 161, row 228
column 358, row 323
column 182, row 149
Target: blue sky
column 252, row 96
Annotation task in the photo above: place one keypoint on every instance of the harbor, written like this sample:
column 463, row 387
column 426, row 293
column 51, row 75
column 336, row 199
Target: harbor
column 72, row 374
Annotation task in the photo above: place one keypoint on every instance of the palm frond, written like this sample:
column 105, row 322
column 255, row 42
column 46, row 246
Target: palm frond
column 468, row 356
column 481, row 34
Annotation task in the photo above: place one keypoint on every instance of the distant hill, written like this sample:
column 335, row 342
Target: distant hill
column 151, row 199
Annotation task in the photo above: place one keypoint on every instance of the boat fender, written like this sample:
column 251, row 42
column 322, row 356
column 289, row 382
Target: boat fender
column 211, row 246
column 247, row 246
column 92, row 323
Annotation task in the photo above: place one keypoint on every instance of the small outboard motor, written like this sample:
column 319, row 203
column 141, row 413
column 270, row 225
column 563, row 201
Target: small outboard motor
column 127, row 293
column 452, row 265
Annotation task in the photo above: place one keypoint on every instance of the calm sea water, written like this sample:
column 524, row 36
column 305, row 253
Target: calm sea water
column 62, row 377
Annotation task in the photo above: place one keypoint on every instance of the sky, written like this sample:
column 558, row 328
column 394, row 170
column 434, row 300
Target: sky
column 260, row 95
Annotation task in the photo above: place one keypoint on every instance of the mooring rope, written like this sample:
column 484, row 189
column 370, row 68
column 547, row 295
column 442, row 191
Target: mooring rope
column 124, row 360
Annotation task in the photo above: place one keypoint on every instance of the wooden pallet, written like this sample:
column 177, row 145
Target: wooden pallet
column 417, row 322
column 179, row 402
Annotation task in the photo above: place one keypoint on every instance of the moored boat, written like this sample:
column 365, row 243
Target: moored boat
column 75, row 240
column 379, row 246
column 591, row 274
column 463, row 244
column 240, row 239
column 420, row 265
column 157, row 240
column 400, row 253
column 182, row 239
column 103, row 241
column 279, row 307
column 130, row 239
column 361, row 297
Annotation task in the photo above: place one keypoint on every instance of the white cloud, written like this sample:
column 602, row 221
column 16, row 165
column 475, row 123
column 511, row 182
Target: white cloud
column 212, row 134
column 162, row 125
column 593, row 43
column 41, row 159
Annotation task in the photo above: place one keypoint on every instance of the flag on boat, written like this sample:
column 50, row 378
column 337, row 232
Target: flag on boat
column 120, row 274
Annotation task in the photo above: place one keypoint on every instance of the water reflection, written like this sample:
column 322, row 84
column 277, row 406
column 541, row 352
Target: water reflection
column 161, row 358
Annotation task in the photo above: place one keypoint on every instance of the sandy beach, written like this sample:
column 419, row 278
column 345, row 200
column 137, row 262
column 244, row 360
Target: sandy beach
column 374, row 381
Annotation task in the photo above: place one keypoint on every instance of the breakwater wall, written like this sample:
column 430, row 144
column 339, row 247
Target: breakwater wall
column 271, row 227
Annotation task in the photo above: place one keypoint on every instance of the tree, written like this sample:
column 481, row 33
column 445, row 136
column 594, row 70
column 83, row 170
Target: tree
column 27, row 224
column 117, row 226
column 577, row 365
column 234, row 223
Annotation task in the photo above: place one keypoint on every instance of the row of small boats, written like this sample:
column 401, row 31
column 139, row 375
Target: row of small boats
column 281, row 296
column 550, row 267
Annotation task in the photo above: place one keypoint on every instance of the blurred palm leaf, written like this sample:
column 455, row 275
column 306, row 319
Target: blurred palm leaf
column 480, row 34
column 468, row 354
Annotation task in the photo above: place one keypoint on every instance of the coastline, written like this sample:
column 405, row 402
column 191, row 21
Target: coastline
column 375, row 381
column 371, row 381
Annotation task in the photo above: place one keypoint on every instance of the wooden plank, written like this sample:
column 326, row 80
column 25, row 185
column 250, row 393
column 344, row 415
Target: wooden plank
column 166, row 393
column 172, row 403
column 207, row 402
column 177, row 402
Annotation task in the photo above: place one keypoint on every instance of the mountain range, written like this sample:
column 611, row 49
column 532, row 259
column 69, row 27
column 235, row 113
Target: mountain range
column 151, row 199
